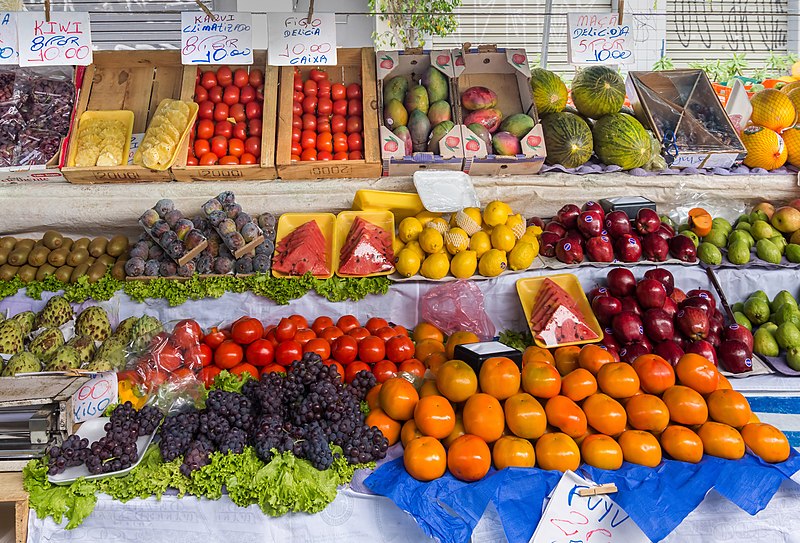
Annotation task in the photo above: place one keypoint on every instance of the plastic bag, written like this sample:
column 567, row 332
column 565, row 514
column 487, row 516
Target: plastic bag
column 50, row 100
column 457, row 305
column 35, row 146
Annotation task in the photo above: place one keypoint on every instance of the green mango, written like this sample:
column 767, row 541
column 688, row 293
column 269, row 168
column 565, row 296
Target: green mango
column 745, row 226
column 767, row 251
column 420, row 128
column 739, row 253
column 793, row 253
column 439, row 112
column 742, row 320
column 720, row 223
column 417, row 100
column 518, row 124
column 764, row 344
column 435, row 83
column 793, row 358
column 780, row 242
column 718, row 238
column 783, row 297
column 756, row 310
column 762, row 230
column 759, row 294
column 738, row 306
column 709, row 253
column 786, row 313
column 788, row 335
column 741, row 235
column 394, row 114
column 743, row 219
column 395, row 89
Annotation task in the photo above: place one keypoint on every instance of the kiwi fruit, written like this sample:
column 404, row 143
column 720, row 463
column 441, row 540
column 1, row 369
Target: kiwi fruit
column 97, row 247
column 8, row 243
column 52, row 239
column 118, row 271
column 39, row 243
column 58, row 257
column 27, row 273
column 45, row 270
column 67, row 244
column 38, row 256
column 77, row 256
column 96, row 271
column 79, row 271
column 19, row 256
column 64, row 273
column 7, row 272
column 117, row 245
column 25, row 244
column 4, row 252
column 106, row 260
column 82, row 243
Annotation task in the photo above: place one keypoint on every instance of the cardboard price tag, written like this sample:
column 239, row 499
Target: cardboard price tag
column 8, row 38
column 295, row 40
column 91, row 400
column 65, row 40
column 225, row 38
column 571, row 518
column 598, row 38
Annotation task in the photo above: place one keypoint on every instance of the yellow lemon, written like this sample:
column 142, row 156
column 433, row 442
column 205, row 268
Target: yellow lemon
column 469, row 219
column 517, row 225
column 414, row 246
column 480, row 242
column 456, row 240
column 534, row 230
column 409, row 229
column 503, row 238
column 425, row 216
column 521, row 257
column 529, row 238
column 496, row 213
column 464, row 264
column 431, row 240
column 397, row 245
column 435, row 266
column 408, row 262
column 438, row 224
column 492, row 263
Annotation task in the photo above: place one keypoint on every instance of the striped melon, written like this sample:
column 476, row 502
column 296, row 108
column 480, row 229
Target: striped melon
column 791, row 137
column 773, row 109
column 567, row 138
column 549, row 91
column 621, row 140
column 765, row 148
column 598, row 91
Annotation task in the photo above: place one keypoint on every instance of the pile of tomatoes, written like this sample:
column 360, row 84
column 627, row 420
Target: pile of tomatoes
column 327, row 119
column 229, row 119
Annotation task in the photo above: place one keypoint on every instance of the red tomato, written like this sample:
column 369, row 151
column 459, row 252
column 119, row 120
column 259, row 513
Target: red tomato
column 200, row 94
column 354, row 125
column 205, row 129
column 272, row 368
column 353, row 91
column 287, row 352
column 308, row 139
column 168, row 357
column 221, row 112
column 318, row 346
column 338, row 124
column 317, row 75
column 354, row 142
column 324, row 106
column 384, row 370
column 320, row 324
column 208, row 80
column 219, row 146
column 237, row 112
column 324, row 155
column 247, row 94
column 323, row 125
column 325, row 142
column 215, row 94
column 297, row 122
column 324, row 89
column 355, row 107
column 375, row 323
column 229, row 160
column 201, row 147
column 358, row 333
column 205, row 355
column 298, row 83
column 298, row 96
column 270, row 336
column 304, row 335
column 191, row 160
column 400, row 330
column 339, row 142
column 231, row 95
column 351, row 370
column 208, row 374
column 309, row 154
column 209, row 159
column 309, row 121
column 235, row 147
column 355, row 155
column 299, row 320
column 399, row 349
column 339, row 367
column 285, row 330
column 246, row 331
column 256, row 78
column 297, row 149
column 243, row 368
column 228, row 354
column 254, row 127
column 247, row 158
column 310, row 104
column 340, row 107
column 187, row 333
column 261, row 352
column 330, row 333
column 241, row 77
column 224, row 76
column 223, row 128
column 240, row 131
column 413, row 366
column 253, row 110
column 371, row 349
column 347, row 323
column 296, row 134
column 206, row 110
column 310, row 87
column 386, row 333
column 344, row 350
column 338, row 91
column 297, row 108
column 341, row 155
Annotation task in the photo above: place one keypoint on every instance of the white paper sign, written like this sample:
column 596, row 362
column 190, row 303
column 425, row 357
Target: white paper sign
column 296, row 41
column 8, row 38
column 598, row 38
column 569, row 518
column 226, row 38
column 65, row 40
column 91, row 400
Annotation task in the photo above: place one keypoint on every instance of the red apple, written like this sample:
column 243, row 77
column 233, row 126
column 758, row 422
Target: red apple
column 627, row 327
column 628, row 248
column 589, row 224
column 664, row 276
column 669, row 351
column 589, row 206
column 621, row 282
column 658, row 325
column 647, row 221
column 692, row 322
column 600, row 249
column 557, row 227
column 704, row 349
column 569, row 253
column 568, row 215
column 606, row 308
column 547, row 243
column 735, row 356
column 734, row 332
column 617, row 224
column 655, row 247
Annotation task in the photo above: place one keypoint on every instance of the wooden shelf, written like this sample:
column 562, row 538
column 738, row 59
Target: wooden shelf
column 11, row 491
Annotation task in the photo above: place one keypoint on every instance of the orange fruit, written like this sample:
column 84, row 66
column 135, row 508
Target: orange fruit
column 700, row 221
column 458, row 431
column 456, row 381
column 729, row 407
column 618, row 380
column 525, row 416
column 640, row 447
column 655, row 374
column 534, row 353
column 425, row 459
column 753, row 418
column 723, row 383
column 566, row 359
column 541, row 379
column 513, row 451
column 686, row 405
column 697, row 372
column 435, row 416
column 647, row 412
column 791, row 136
column 389, row 427
column 578, row 385
column 428, row 388
column 499, row 377
column 483, row 417
column 468, row 458
column 434, row 361
column 427, row 347
column 593, row 357
column 426, row 330
column 557, row 451
column 765, row 148
column 601, row 451
column 373, row 397
column 721, row 440
column 458, row 338
column 682, row 444
column 766, row 442
column 565, row 415
column 605, row 414
column 398, row 398
column 409, row 431
column 772, row 109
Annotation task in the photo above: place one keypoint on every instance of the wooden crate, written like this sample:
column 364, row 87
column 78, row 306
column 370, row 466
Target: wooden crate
column 355, row 66
column 133, row 80
column 11, row 491
column 244, row 172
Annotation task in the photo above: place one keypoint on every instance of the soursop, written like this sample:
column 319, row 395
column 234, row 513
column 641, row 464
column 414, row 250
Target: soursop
column 66, row 358
column 55, row 313
column 124, row 329
column 21, row 363
column 109, row 357
column 93, row 322
column 25, row 321
column 85, row 347
column 45, row 345
column 145, row 329
column 10, row 337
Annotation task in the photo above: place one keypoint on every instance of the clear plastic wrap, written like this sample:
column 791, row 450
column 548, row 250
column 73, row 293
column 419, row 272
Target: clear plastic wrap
column 35, row 146
column 50, row 100
column 457, row 305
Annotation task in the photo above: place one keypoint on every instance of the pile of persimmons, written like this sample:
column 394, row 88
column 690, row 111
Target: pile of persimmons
column 566, row 407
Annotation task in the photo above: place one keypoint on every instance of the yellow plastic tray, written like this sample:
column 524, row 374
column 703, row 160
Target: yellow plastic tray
column 528, row 289
column 193, row 108
column 401, row 204
column 344, row 221
column 288, row 222
column 125, row 116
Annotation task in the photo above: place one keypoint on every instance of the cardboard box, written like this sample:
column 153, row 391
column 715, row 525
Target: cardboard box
column 412, row 64
column 506, row 72
column 263, row 171
column 355, row 66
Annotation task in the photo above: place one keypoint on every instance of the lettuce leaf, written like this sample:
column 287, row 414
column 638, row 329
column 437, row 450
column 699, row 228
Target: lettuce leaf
column 517, row 340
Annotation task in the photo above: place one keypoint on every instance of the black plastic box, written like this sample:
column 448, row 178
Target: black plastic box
column 475, row 353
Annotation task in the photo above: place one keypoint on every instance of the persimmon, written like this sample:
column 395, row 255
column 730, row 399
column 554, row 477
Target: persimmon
column 565, row 415
column 434, row 416
column 468, row 458
column 766, row 442
column 483, row 417
column 723, row 383
column 458, row 338
column 700, row 221
column 511, row 451
column 593, row 357
column 655, row 374
column 647, row 412
column 682, row 444
column 425, row 458
column 541, row 379
column 456, row 380
column 389, row 427
column 458, row 431
column 618, row 380
column 686, row 405
column 429, row 388
column 525, row 416
column 409, row 431
column 640, row 447
column 729, row 407
column 605, row 414
column 721, row 440
column 398, row 398
column 373, row 397
column 499, row 377
column 426, row 330
column 434, row 361
column 426, row 347
column 698, row 373
column 601, row 451
column 534, row 353
column 557, row 451
column 578, row 385
column 566, row 359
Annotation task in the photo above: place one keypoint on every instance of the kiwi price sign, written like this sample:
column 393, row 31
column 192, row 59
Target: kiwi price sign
column 64, row 40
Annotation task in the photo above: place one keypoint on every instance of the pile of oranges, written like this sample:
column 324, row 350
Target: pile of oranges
column 574, row 405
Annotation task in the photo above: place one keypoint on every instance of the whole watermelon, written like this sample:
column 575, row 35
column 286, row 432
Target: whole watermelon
column 549, row 91
column 621, row 140
column 567, row 138
column 598, row 91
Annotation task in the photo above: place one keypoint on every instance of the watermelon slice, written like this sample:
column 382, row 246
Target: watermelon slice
column 303, row 250
column 550, row 297
column 366, row 250
column 565, row 325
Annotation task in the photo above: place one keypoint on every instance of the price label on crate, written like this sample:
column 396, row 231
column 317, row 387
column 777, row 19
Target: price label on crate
column 65, row 40
column 294, row 40
column 598, row 38
column 225, row 38
column 91, row 400
column 8, row 38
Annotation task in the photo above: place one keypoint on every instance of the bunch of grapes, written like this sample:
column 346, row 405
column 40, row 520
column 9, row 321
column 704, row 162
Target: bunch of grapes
column 72, row 452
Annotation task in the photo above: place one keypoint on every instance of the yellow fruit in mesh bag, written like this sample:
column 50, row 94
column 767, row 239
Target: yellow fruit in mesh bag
column 438, row 224
column 765, row 148
column 517, row 225
column 773, row 109
column 431, row 240
column 495, row 213
column 492, row 263
column 435, row 266
column 456, row 240
column 503, row 238
column 469, row 219
column 791, row 137
column 409, row 229
column 521, row 257
column 408, row 263
column 480, row 242
column 464, row 264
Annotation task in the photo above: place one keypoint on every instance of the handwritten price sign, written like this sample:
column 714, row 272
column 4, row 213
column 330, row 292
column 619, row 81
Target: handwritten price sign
column 8, row 37
column 65, row 40
column 225, row 38
column 599, row 38
column 295, row 40
column 93, row 397
column 570, row 518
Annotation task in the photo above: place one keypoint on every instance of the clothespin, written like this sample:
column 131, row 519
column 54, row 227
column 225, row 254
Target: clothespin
column 47, row 10
column 608, row 488
column 205, row 8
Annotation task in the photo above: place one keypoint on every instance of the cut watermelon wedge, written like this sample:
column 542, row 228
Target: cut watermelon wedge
column 565, row 325
column 302, row 251
column 367, row 250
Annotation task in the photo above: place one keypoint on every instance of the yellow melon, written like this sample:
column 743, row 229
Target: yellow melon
column 796, row 69
column 791, row 137
column 794, row 96
column 765, row 148
column 787, row 88
column 773, row 109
